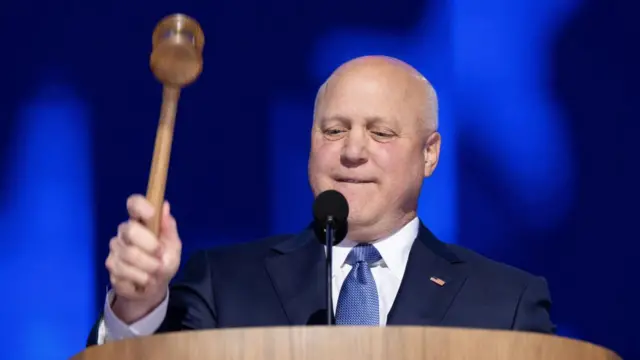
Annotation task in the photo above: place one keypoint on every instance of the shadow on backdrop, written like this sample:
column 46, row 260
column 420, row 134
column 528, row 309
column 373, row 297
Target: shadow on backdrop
column 594, row 261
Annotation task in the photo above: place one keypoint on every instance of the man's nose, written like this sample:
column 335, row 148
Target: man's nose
column 354, row 151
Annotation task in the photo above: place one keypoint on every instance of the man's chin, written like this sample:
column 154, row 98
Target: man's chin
column 358, row 220
column 358, row 197
column 361, row 231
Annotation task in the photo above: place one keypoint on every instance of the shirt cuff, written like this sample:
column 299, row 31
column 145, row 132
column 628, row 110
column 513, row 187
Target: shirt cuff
column 111, row 328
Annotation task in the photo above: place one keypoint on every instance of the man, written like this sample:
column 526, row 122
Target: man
column 374, row 139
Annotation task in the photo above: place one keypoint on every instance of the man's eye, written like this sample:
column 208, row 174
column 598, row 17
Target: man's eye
column 333, row 131
column 382, row 134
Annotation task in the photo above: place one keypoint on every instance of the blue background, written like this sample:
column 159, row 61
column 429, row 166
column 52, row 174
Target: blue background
column 538, row 116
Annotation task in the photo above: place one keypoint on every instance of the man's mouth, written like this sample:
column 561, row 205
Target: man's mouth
column 354, row 180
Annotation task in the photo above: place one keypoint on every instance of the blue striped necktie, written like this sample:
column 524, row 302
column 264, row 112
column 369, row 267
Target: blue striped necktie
column 358, row 300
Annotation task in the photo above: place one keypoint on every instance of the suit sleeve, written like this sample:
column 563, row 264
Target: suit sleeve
column 191, row 305
column 533, row 311
column 191, row 301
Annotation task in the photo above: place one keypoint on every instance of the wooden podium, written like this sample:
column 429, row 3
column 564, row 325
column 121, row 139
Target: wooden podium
column 337, row 343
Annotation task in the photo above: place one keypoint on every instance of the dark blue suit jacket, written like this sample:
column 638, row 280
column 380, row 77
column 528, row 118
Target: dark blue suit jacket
column 280, row 281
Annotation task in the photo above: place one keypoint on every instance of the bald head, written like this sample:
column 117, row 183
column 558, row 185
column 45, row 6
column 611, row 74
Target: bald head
column 374, row 139
column 397, row 76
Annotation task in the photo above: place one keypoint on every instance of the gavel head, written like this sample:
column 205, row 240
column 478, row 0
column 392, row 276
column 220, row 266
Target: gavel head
column 176, row 59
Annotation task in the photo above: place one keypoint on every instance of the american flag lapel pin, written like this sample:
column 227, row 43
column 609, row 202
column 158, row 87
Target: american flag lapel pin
column 437, row 280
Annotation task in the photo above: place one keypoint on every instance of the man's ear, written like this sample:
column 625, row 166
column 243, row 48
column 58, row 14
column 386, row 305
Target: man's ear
column 431, row 153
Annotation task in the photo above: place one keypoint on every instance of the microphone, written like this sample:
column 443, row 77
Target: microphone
column 330, row 212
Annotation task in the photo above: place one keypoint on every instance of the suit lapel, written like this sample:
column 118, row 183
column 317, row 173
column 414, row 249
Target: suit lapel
column 297, row 271
column 421, row 301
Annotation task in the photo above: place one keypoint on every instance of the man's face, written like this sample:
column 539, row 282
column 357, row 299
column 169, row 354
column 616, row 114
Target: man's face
column 368, row 142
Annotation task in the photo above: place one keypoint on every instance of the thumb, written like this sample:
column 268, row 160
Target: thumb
column 168, row 225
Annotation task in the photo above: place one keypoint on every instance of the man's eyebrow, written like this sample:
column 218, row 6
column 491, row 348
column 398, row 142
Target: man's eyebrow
column 338, row 118
column 370, row 120
column 374, row 119
column 393, row 121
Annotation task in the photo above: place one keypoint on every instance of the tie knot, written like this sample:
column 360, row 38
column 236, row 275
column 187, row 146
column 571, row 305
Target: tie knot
column 363, row 253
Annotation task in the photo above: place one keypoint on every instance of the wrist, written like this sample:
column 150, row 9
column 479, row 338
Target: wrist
column 130, row 311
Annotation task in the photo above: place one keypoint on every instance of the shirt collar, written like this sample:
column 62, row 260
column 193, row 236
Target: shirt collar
column 394, row 249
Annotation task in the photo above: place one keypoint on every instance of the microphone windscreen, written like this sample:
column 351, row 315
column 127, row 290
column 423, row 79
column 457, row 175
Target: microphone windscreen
column 331, row 203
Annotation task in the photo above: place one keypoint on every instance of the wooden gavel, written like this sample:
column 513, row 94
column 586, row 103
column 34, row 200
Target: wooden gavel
column 176, row 61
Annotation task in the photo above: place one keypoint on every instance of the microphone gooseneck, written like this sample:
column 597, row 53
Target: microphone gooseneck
column 330, row 213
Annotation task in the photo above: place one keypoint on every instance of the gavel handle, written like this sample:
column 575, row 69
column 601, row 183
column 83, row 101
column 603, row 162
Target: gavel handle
column 161, row 154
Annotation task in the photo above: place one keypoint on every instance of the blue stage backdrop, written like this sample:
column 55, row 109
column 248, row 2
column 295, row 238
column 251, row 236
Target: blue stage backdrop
column 538, row 118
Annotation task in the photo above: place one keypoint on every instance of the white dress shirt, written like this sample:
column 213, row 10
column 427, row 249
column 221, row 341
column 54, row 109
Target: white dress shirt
column 387, row 273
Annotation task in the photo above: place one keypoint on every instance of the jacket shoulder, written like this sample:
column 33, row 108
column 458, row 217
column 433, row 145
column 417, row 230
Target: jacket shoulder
column 244, row 251
column 485, row 267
